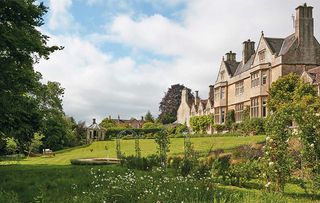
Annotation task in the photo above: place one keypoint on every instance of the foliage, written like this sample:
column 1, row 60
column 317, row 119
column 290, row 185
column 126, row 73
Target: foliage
column 118, row 149
column 254, row 126
column 170, row 103
column 151, row 125
column 292, row 100
column 80, row 131
column 113, row 132
column 36, row 142
column 221, row 165
column 200, row 124
column 141, row 163
column 137, row 147
column 230, row 119
column 21, row 46
column 278, row 164
column 11, row 145
column 108, row 123
column 181, row 129
column 148, row 117
column 163, row 142
column 118, row 184
column 219, row 127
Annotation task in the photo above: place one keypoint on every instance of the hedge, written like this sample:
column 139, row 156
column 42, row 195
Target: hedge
column 114, row 132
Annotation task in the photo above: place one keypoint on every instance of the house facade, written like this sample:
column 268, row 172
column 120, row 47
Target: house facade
column 244, row 83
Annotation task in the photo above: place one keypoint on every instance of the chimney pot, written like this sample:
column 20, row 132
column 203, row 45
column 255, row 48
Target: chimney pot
column 93, row 121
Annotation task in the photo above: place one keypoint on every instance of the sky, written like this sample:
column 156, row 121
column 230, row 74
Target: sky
column 120, row 56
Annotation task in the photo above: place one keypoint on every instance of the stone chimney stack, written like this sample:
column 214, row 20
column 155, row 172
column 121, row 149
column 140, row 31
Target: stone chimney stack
column 248, row 50
column 197, row 99
column 304, row 30
column 142, row 118
column 230, row 56
column 211, row 92
column 184, row 95
column 93, row 121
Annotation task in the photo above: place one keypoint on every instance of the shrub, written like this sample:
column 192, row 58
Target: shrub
column 180, row 129
column 186, row 167
column 220, row 166
column 248, row 152
column 11, row 145
column 140, row 163
column 230, row 119
column 200, row 124
column 8, row 197
column 219, row 127
column 113, row 132
column 175, row 162
column 242, row 173
column 253, row 126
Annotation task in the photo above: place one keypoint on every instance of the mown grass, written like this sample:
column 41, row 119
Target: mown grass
column 148, row 146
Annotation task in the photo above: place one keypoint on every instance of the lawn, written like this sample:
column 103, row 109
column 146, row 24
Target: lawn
column 148, row 146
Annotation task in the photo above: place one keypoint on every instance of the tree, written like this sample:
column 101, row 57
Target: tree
column 81, row 132
column 170, row 103
column 11, row 145
column 148, row 117
column 21, row 46
column 108, row 123
column 36, row 143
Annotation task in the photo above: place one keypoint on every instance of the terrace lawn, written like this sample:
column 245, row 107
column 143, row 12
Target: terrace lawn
column 148, row 146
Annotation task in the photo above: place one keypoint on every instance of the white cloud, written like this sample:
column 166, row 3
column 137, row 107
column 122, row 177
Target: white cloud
column 60, row 16
column 98, row 84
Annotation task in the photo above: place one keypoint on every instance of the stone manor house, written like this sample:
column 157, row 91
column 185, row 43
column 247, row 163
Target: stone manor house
column 246, row 82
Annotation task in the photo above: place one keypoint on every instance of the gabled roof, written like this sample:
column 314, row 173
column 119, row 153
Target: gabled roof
column 204, row 102
column 244, row 67
column 287, row 43
column 275, row 44
column 315, row 74
column 231, row 66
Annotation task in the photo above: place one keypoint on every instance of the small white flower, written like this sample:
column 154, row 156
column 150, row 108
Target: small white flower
column 312, row 145
column 267, row 138
column 271, row 163
column 268, row 184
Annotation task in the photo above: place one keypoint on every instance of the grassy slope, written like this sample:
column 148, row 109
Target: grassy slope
column 148, row 146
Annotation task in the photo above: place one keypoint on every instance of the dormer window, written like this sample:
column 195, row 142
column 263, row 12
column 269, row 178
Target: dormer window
column 262, row 55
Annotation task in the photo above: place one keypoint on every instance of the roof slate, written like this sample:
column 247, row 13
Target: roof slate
column 275, row 44
column 231, row 66
column 244, row 67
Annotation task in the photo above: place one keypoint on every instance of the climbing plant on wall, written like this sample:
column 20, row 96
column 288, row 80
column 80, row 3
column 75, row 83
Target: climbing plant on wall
column 200, row 124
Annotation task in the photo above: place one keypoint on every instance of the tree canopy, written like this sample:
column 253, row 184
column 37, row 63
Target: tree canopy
column 27, row 105
column 170, row 103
